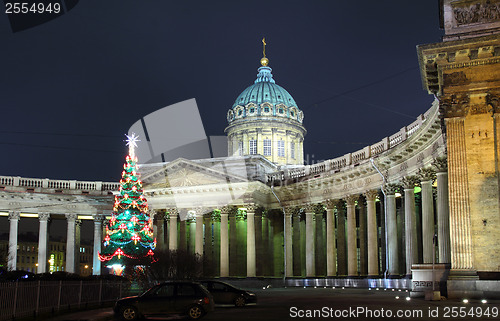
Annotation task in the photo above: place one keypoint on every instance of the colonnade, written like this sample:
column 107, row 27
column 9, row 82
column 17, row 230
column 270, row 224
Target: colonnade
column 365, row 234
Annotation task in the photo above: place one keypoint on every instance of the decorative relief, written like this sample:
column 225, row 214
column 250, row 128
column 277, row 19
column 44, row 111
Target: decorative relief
column 478, row 109
column 351, row 199
column 251, row 207
column 309, row 208
column 227, row 210
column 403, row 167
column 420, row 158
column 330, row 204
column 493, row 102
column 455, row 78
column 292, row 210
column 172, row 211
column 14, row 215
column 391, row 189
column 440, row 164
column 371, row 195
column 426, row 174
column 44, row 217
column 409, row 182
column 71, row 217
column 466, row 13
column 454, row 105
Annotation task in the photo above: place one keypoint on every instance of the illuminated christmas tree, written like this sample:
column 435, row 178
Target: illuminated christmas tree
column 129, row 233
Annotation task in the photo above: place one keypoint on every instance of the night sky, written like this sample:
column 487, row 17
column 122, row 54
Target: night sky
column 71, row 88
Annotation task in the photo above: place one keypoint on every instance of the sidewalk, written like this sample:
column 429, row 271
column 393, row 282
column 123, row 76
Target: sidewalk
column 88, row 315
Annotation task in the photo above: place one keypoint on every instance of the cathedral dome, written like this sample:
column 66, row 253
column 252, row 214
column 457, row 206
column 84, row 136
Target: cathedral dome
column 264, row 98
column 265, row 120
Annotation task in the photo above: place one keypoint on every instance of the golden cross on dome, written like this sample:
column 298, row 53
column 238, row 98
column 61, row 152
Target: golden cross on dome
column 264, row 61
column 264, row 46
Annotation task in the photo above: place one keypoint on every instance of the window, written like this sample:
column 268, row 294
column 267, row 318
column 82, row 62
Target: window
column 253, row 147
column 185, row 290
column 240, row 148
column 292, row 150
column 240, row 112
column 281, row 110
column 281, row 148
column 267, row 147
column 252, row 110
column 166, row 290
column 292, row 113
column 266, row 109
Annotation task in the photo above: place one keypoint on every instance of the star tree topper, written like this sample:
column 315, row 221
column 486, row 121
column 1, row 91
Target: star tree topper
column 132, row 143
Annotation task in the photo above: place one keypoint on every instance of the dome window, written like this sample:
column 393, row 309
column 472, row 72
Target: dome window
column 240, row 112
column 292, row 113
column 252, row 110
column 279, row 97
column 281, row 111
column 266, row 109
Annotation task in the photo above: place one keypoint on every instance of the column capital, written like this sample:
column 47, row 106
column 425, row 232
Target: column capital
column 240, row 215
column 426, row 174
column 292, row 211
column 391, row 189
column 330, row 204
column 351, row 199
column 228, row 209
column 309, row 208
column 43, row 216
column 172, row 211
column 371, row 195
column 14, row 215
column 200, row 211
column 251, row 207
column 409, row 182
column 98, row 218
column 71, row 217
column 440, row 164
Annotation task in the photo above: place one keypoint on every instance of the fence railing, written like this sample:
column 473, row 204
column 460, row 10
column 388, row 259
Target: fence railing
column 29, row 299
column 358, row 156
column 57, row 184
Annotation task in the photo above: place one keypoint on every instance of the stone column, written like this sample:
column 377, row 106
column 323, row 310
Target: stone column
column 372, row 232
column 224, row 241
column 297, row 265
column 258, row 242
column 183, row 246
column 70, row 243
column 289, row 211
column 341, row 240
column 159, row 217
column 310, row 255
column 427, row 176
column 198, row 245
column 216, row 219
column 96, row 263
column 172, row 237
column 14, row 217
column 208, row 264
column 443, row 214
column 319, row 248
column 331, row 251
column 233, row 244
column 409, row 183
column 42, row 242
column 363, row 255
column 392, row 229
column 251, row 265
column 352, row 257
column 78, row 233
column 266, row 255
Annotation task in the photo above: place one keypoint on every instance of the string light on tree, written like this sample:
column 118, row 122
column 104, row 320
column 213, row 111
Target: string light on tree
column 129, row 238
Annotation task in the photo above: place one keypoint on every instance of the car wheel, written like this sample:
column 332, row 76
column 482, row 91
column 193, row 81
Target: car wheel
column 195, row 312
column 240, row 301
column 129, row 313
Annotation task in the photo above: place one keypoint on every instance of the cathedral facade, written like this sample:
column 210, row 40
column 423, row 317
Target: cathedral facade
column 425, row 196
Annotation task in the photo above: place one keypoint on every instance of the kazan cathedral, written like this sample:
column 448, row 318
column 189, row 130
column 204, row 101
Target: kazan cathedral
column 417, row 207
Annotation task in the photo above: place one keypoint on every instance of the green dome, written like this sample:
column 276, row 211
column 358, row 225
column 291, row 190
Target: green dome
column 265, row 98
column 264, row 90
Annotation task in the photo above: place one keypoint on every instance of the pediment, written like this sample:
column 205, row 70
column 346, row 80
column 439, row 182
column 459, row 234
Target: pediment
column 184, row 173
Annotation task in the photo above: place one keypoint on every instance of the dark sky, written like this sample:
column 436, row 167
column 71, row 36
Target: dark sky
column 71, row 88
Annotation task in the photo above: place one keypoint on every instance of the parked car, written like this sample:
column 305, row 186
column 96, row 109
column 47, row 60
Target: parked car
column 175, row 297
column 225, row 293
